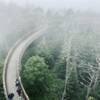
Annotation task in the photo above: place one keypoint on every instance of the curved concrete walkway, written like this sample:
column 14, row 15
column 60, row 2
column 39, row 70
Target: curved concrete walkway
column 12, row 64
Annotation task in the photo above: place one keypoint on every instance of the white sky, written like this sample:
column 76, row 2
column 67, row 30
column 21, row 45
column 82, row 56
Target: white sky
column 75, row 4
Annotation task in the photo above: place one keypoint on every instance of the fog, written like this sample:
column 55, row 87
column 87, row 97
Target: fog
column 93, row 5
column 18, row 17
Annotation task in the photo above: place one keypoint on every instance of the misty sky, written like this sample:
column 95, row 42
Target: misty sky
column 93, row 5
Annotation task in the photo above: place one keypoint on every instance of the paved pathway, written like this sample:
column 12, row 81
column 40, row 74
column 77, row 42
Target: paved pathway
column 14, row 63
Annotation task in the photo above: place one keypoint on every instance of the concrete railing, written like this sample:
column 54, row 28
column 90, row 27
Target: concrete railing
column 10, row 53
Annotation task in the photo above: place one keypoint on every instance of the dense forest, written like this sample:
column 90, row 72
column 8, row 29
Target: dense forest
column 73, row 66
column 64, row 64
